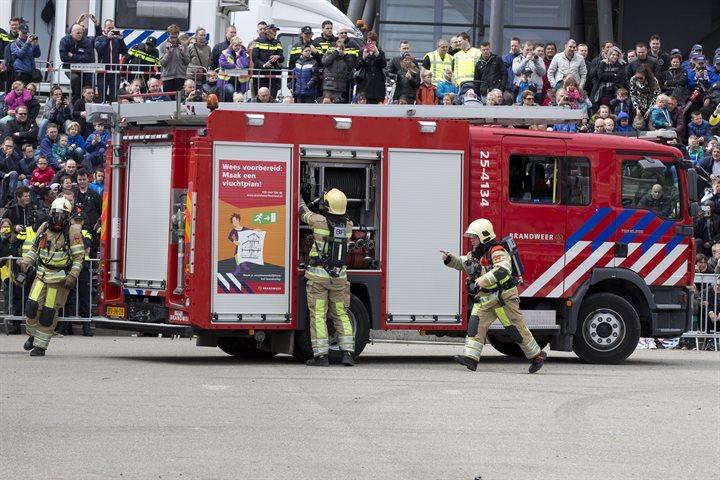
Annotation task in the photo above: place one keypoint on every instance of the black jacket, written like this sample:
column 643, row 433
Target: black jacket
column 674, row 82
column 608, row 78
column 490, row 74
column 372, row 84
column 27, row 132
column 90, row 204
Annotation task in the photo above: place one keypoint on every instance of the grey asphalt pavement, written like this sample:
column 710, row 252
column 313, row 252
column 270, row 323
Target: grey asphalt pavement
column 147, row 408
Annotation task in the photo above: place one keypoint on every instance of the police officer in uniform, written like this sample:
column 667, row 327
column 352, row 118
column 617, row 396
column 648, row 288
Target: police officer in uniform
column 328, row 290
column 58, row 253
column 146, row 56
column 494, row 288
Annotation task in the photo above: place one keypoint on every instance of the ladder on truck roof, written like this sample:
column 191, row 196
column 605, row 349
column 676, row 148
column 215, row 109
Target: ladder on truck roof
column 176, row 113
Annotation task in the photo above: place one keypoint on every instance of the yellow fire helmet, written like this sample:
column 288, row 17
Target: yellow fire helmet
column 482, row 228
column 335, row 201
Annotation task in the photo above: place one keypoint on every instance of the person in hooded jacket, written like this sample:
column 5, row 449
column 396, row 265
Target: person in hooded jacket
column 306, row 76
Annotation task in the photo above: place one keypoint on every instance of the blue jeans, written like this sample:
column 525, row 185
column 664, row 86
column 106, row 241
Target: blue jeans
column 95, row 159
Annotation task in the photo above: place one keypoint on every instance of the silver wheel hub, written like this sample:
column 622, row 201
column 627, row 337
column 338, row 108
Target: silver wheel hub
column 604, row 329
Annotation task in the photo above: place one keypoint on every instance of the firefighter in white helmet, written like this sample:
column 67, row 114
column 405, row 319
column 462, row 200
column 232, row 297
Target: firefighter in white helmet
column 494, row 289
column 57, row 252
column 328, row 290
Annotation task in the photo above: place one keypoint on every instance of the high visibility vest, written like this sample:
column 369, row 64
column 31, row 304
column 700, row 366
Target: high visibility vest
column 464, row 63
column 4, row 38
column 437, row 65
column 27, row 236
column 144, row 56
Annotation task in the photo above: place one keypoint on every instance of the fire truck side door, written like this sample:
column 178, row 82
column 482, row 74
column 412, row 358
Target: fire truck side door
column 534, row 211
column 424, row 215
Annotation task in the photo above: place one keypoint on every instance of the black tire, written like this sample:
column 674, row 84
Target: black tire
column 608, row 329
column 360, row 321
column 242, row 348
column 512, row 349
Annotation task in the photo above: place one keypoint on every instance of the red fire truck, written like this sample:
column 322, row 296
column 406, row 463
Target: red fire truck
column 201, row 233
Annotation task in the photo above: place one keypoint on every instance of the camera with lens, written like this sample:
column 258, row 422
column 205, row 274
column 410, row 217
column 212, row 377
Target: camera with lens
column 534, row 56
column 116, row 32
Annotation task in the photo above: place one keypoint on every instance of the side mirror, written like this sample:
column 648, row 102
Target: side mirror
column 692, row 183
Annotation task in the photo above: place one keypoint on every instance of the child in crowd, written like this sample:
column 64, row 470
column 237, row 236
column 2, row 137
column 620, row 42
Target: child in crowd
column 212, row 85
column 698, row 126
column 446, row 85
column 61, row 151
column 17, row 96
column 621, row 102
column 695, row 149
column 361, row 99
column 98, row 183
column 40, row 178
column 659, row 115
column 76, row 143
column 448, row 98
column 427, row 92
column 95, row 147
column 27, row 164
column 549, row 97
column 609, row 125
column 524, row 85
column 306, row 75
column 603, row 112
column 46, row 144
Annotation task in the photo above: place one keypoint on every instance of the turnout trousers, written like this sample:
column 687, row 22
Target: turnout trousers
column 44, row 302
column 486, row 311
column 329, row 297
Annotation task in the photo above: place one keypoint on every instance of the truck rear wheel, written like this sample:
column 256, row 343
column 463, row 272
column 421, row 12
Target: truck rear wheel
column 242, row 348
column 608, row 329
column 512, row 349
column 360, row 321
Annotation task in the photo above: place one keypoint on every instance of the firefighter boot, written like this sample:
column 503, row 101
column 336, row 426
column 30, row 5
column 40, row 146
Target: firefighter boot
column 37, row 352
column 470, row 363
column 27, row 346
column 348, row 360
column 321, row 361
column 537, row 362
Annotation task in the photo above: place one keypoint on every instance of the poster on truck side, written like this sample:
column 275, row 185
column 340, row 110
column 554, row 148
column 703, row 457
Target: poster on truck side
column 251, row 231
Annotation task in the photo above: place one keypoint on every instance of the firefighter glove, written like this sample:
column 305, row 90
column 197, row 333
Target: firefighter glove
column 70, row 281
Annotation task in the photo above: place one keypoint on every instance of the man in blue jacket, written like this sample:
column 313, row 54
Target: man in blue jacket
column 109, row 46
column 77, row 48
column 24, row 51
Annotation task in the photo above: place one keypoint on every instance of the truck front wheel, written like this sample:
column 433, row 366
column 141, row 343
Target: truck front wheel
column 360, row 321
column 608, row 329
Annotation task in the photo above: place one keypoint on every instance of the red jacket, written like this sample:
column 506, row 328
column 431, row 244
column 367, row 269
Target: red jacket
column 42, row 176
column 426, row 95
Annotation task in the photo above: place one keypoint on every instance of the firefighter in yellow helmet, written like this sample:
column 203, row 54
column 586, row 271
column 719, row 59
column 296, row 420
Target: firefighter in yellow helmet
column 494, row 289
column 328, row 290
column 57, row 252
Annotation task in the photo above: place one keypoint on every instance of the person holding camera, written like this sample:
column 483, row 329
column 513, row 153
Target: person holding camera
column 109, row 47
column 24, row 51
column 174, row 59
column 706, row 228
column 529, row 59
column 371, row 67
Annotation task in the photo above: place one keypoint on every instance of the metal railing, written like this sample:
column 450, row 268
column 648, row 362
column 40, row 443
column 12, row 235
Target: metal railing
column 706, row 310
column 14, row 296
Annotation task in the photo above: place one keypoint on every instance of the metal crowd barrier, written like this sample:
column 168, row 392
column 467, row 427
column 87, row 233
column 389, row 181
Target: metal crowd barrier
column 14, row 297
column 707, row 298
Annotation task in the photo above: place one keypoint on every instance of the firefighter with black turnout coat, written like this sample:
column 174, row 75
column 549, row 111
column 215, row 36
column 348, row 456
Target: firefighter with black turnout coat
column 493, row 284
column 328, row 290
column 57, row 252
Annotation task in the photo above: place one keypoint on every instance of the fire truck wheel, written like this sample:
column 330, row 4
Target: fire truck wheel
column 512, row 349
column 360, row 320
column 242, row 348
column 608, row 329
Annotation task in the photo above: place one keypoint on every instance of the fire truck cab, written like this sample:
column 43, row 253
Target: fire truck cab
column 201, row 232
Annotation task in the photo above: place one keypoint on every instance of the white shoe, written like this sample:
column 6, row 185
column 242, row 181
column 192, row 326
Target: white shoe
column 651, row 344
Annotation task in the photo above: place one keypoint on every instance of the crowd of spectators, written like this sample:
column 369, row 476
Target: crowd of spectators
column 620, row 90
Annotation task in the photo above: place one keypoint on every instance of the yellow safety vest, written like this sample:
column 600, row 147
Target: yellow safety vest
column 28, row 237
column 464, row 63
column 137, row 53
column 437, row 65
